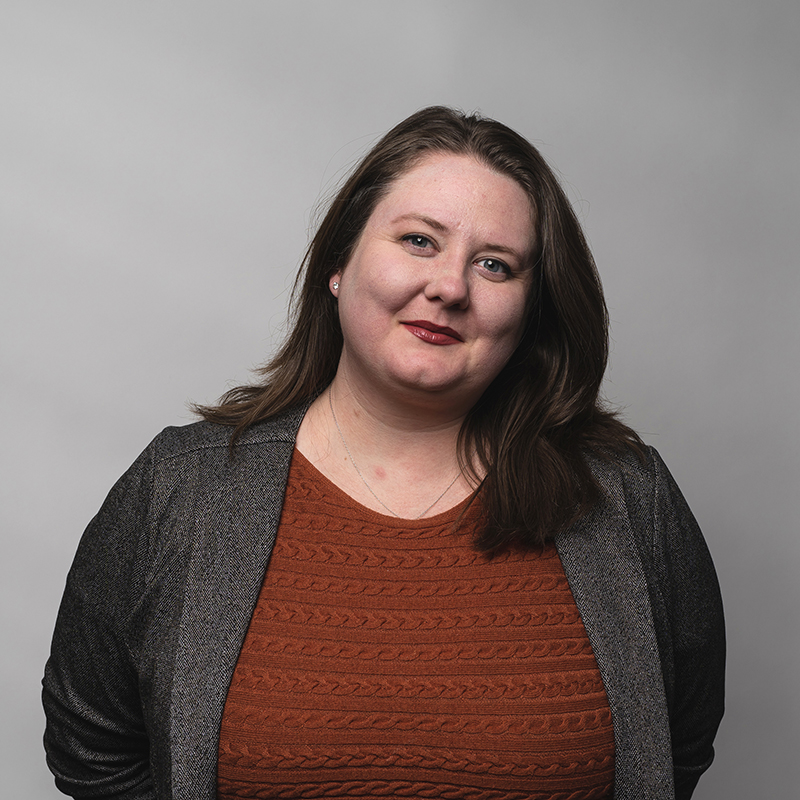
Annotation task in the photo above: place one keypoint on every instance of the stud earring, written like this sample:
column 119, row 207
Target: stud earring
column 335, row 286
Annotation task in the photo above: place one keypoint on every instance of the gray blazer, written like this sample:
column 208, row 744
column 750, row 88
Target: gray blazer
column 166, row 578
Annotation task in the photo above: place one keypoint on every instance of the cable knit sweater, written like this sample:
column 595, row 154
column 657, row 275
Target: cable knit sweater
column 388, row 658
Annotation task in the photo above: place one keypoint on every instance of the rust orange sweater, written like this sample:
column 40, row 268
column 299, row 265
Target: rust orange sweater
column 387, row 658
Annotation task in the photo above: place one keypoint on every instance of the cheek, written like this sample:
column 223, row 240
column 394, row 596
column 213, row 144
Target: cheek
column 384, row 287
column 507, row 320
column 368, row 302
column 506, row 340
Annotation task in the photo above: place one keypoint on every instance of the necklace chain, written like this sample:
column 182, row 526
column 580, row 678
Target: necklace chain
column 364, row 480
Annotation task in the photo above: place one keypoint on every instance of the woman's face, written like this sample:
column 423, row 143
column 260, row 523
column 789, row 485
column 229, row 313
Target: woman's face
column 432, row 300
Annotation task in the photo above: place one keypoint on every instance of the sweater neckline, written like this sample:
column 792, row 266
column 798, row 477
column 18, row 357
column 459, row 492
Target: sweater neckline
column 449, row 515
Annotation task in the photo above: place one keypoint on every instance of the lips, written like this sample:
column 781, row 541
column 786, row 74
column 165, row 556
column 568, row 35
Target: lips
column 432, row 333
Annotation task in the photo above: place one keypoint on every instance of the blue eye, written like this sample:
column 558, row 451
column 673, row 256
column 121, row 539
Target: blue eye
column 494, row 265
column 418, row 240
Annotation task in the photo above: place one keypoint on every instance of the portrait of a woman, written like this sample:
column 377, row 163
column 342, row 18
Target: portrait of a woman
column 419, row 556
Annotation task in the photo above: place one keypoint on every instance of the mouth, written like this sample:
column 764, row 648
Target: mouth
column 431, row 332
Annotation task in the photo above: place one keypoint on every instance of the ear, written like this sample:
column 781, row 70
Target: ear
column 333, row 283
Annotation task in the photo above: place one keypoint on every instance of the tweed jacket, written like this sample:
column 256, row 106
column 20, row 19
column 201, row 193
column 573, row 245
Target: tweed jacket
column 166, row 578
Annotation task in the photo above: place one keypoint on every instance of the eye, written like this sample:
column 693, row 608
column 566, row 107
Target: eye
column 418, row 242
column 494, row 266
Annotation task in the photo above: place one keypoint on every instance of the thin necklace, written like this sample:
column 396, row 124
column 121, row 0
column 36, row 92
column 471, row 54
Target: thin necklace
column 364, row 480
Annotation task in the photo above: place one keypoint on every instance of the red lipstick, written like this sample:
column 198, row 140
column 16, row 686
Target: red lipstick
column 432, row 333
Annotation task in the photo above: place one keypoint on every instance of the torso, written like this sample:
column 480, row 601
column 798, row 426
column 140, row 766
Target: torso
column 388, row 658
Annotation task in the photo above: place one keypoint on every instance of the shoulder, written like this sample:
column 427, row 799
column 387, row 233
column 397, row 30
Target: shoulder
column 181, row 486
column 210, row 439
column 631, row 475
column 635, row 476
column 639, row 491
column 180, row 467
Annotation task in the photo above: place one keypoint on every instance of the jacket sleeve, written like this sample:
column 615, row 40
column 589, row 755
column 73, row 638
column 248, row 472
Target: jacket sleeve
column 695, row 675
column 95, row 738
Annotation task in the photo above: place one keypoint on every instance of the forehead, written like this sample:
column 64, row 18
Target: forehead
column 461, row 192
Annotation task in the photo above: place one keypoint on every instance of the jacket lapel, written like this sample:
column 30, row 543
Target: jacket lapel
column 607, row 579
column 237, row 512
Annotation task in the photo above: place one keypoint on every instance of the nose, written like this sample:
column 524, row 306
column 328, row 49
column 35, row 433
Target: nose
column 449, row 281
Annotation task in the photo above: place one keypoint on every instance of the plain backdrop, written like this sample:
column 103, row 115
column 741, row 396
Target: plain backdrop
column 160, row 166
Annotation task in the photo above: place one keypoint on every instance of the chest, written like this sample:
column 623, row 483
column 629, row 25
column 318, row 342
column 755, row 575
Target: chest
column 384, row 655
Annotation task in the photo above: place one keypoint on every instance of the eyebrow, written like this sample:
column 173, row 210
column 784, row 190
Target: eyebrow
column 430, row 221
column 442, row 228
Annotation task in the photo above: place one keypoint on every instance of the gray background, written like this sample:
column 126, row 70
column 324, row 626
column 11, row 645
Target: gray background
column 159, row 167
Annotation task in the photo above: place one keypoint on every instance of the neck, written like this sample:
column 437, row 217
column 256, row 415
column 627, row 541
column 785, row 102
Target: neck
column 384, row 454
column 394, row 423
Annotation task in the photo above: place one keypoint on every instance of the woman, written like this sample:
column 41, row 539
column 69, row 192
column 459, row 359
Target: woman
column 419, row 558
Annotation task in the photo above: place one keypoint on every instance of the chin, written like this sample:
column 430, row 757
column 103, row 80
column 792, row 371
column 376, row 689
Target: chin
column 450, row 388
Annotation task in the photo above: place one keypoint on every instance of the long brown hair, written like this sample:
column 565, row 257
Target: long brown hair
column 531, row 431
